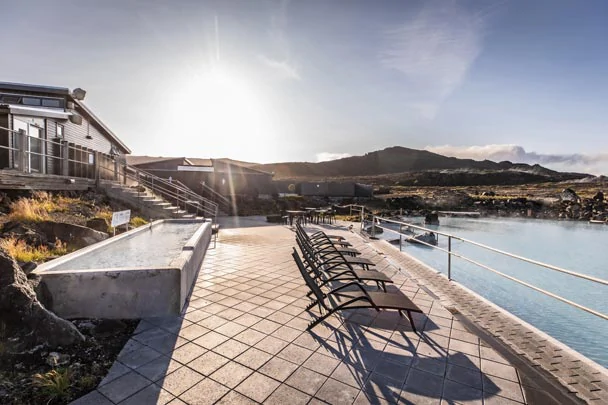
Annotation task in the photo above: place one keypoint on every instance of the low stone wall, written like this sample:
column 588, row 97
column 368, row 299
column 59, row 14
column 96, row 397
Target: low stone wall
column 129, row 292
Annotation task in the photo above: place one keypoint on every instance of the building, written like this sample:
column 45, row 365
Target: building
column 334, row 189
column 50, row 131
column 224, row 176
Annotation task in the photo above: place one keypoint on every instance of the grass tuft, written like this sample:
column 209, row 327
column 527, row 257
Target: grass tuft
column 55, row 383
column 137, row 222
column 22, row 252
column 28, row 210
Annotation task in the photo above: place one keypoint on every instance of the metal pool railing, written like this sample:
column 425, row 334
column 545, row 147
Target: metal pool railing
column 377, row 221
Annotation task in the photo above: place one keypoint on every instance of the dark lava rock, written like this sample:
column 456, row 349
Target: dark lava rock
column 21, row 310
column 569, row 195
column 599, row 196
column 99, row 224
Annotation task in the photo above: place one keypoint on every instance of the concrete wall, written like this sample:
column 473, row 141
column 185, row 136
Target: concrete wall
column 129, row 292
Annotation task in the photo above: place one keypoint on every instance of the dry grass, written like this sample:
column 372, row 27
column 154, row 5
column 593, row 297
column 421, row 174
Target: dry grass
column 137, row 222
column 39, row 206
column 28, row 210
column 55, row 383
column 22, row 252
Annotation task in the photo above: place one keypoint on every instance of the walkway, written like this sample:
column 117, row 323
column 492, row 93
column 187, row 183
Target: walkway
column 242, row 339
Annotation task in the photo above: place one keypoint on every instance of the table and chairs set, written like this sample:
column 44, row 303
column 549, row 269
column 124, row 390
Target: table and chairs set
column 310, row 215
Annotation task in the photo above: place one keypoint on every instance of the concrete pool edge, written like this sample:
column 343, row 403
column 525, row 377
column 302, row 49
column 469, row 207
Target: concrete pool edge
column 125, row 292
column 560, row 361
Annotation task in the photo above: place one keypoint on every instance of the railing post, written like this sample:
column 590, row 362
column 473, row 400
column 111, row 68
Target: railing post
column 22, row 150
column 373, row 226
column 124, row 174
column 65, row 161
column 97, row 174
column 400, row 241
column 449, row 258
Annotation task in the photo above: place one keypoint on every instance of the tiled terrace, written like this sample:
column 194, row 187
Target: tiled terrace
column 242, row 339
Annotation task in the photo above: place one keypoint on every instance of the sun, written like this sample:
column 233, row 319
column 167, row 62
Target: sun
column 225, row 109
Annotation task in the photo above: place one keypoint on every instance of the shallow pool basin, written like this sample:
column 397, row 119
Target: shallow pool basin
column 145, row 272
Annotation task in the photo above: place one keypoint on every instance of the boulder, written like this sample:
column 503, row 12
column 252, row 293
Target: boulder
column 599, row 196
column 75, row 236
column 99, row 224
column 568, row 195
column 431, row 218
column 21, row 311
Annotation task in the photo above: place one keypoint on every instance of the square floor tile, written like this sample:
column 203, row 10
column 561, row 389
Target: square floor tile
column 258, row 387
column 204, row 392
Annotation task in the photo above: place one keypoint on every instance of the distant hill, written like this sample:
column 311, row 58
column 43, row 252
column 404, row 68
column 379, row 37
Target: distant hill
column 400, row 160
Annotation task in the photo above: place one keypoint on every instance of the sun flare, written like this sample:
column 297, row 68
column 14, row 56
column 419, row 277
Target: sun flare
column 224, row 107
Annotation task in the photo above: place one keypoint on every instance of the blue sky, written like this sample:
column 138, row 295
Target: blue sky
column 306, row 80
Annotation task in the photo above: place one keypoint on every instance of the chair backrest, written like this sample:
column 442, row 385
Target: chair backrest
column 316, row 290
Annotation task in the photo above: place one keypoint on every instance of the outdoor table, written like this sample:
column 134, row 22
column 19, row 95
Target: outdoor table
column 293, row 214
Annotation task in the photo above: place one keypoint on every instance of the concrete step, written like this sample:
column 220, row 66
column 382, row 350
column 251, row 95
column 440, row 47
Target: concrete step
column 171, row 208
column 188, row 216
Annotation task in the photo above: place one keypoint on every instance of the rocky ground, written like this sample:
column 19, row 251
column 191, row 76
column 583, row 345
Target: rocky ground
column 78, row 368
column 45, row 359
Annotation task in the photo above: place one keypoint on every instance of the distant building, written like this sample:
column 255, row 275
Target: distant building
column 224, row 176
column 49, row 130
column 334, row 189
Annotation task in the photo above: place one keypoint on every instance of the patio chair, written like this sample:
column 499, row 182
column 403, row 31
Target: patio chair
column 338, row 299
column 326, row 243
column 329, row 272
column 336, row 239
column 332, row 253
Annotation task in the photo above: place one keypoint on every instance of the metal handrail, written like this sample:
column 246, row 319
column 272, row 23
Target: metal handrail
column 215, row 193
column 376, row 220
column 172, row 191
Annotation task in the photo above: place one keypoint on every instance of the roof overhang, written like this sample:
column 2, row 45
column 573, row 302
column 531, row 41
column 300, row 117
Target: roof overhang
column 103, row 126
column 36, row 111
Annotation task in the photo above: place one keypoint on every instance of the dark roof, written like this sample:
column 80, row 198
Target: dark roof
column 61, row 91
column 64, row 91
column 200, row 162
column 243, row 167
column 140, row 160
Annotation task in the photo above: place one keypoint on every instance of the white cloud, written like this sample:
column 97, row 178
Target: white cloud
column 587, row 163
column 434, row 50
column 282, row 68
column 326, row 156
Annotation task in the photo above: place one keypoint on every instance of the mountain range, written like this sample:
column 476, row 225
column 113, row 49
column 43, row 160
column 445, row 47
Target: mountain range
column 413, row 166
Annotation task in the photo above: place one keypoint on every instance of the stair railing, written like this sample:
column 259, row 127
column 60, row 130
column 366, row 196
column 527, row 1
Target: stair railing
column 171, row 191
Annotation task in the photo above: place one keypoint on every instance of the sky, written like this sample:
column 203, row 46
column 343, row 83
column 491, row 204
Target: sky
column 310, row 80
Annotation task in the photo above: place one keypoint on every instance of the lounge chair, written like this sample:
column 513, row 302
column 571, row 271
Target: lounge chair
column 331, row 254
column 328, row 272
column 336, row 239
column 338, row 299
column 326, row 243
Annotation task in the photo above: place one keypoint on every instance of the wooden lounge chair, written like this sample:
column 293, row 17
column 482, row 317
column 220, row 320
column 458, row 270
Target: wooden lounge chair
column 340, row 271
column 338, row 299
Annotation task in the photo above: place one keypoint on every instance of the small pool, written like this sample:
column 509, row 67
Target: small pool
column 146, row 272
column 157, row 246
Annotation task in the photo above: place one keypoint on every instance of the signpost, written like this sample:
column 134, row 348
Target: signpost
column 121, row 218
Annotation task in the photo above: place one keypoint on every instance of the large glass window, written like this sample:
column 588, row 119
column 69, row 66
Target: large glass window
column 51, row 102
column 31, row 101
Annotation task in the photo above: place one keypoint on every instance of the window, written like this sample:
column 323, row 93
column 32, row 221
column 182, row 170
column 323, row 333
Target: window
column 30, row 101
column 91, row 159
column 59, row 131
column 51, row 102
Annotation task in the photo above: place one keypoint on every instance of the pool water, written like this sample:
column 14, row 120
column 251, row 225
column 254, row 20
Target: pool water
column 155, row 247
column 576, row 246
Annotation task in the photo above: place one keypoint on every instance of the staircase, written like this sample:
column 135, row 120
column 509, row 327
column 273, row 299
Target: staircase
column 151, row 205
column 158, row 197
